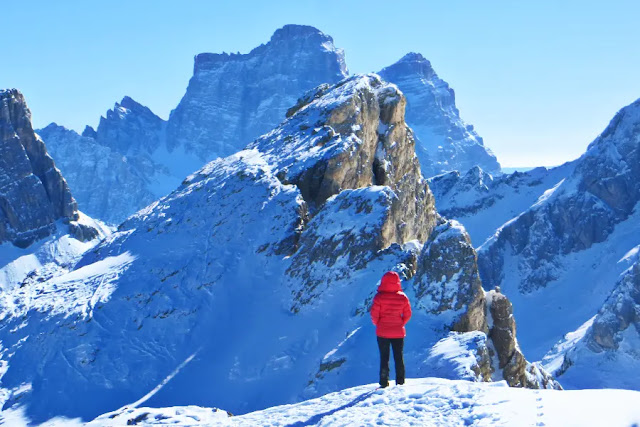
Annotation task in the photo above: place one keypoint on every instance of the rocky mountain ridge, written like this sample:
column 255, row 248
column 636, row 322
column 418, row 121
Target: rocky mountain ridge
column 234, row 98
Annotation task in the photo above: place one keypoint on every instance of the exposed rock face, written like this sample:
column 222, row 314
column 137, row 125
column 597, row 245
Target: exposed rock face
column 130, row 128
column 352, row 138
column 444, row 141
column 234, row 98
column 33, row 193
column 104, row 182
column 349, row 136
column 620, row 312
column 503, row 337
column 447, row 277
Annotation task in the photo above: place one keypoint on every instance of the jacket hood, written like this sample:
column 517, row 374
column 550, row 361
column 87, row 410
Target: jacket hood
column 390, row 282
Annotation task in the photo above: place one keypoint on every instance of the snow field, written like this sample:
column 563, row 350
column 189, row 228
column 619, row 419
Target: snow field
column 420, row 402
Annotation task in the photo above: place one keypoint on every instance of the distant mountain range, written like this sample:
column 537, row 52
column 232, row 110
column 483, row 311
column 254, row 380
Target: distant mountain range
column 231, row 100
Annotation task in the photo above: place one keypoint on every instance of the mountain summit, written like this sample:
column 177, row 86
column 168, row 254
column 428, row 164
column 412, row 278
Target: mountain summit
column 234, row 98
column 443, row 141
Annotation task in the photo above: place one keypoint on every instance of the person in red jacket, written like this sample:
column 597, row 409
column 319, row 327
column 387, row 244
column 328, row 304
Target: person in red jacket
column 390, row 311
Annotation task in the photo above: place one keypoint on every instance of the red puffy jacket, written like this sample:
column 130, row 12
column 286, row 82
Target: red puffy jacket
column 390, row 310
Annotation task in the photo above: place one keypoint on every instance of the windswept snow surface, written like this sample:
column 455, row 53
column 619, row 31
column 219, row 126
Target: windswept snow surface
column 420, row 402
column 483, row 202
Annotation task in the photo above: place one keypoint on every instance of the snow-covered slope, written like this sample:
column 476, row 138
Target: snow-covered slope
column 483, row 202
column 420, row 402
column 559, row 260
column 443, row 141
column 606, row 350
column 103, row 181
column 259, row 270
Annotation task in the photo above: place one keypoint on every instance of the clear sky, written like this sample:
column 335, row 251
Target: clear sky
column 538, row 79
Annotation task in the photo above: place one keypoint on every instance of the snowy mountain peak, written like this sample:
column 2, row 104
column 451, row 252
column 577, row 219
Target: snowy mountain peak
column 290, row 31
column 444, row 141
column 610, row 168
column 128, row 106
column 622, row 124
column 234, row 98
column 413, row 62
column 130, row 127
column 89, row 132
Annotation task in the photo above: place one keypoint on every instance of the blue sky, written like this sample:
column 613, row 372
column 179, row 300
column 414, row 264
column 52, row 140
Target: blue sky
column 538, row 79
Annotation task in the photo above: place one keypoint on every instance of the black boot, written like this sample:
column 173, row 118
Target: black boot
column 384, row 378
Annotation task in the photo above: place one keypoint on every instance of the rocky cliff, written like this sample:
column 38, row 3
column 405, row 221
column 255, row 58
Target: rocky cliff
column 234, row 98
column 443, row 141
column 33, row 193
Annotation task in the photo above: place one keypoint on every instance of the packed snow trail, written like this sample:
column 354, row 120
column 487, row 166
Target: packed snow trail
column 420, row 402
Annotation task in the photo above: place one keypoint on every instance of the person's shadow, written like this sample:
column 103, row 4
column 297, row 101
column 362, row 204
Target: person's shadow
column 316, row 418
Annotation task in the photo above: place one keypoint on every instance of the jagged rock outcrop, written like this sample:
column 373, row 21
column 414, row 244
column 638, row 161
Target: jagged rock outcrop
column 502, row 332
column 349, row 136
column 33, row 193
column 130, row 128
column 234, row 98
column 103, row 181
column 444, row 141
column 447, row 278
column 447, row 282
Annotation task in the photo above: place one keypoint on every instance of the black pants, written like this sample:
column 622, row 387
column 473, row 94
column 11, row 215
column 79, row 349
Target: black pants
column 398, row 345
